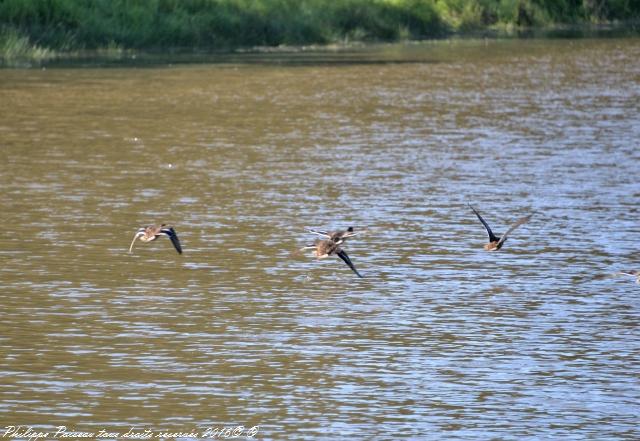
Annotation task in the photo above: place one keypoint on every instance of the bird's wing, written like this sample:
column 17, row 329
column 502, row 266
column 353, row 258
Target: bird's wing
column 346, row 234
column 341, row 254
column 492, row 237
column 319, row 233
column 138, row 234
column 515, row 225
column 174, row 238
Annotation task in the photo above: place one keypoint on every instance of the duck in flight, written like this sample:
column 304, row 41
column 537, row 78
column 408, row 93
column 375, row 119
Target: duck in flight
column 337, row 236
column 152, row 232
column 495, row 242
column 323, row 248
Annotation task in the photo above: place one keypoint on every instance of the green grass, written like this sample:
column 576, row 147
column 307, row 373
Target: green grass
column 41, row 28
column 17, row 49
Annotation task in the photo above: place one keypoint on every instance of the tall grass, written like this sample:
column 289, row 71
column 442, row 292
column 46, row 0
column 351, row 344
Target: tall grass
column 77, row 24
column 17, row 49
column 67, row 25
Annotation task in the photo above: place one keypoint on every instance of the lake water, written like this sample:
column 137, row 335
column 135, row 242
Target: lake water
column 440, row 340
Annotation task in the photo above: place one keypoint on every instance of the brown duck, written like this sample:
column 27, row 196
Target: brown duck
column 323, row 248
column 495, row 242
column 152, row 232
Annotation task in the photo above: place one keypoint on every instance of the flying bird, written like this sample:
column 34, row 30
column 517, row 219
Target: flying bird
column 495, row 242
column 152, row 232
column 323, row 248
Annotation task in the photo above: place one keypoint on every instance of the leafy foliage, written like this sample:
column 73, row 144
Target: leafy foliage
column 89, row 24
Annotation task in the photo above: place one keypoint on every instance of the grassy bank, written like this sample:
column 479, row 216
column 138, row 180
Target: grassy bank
column 41, row 28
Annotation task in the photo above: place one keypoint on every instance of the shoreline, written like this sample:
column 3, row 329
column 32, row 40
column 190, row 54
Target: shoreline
column 18, row 52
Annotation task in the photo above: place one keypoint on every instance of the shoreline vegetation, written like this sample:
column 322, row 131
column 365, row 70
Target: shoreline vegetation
column 33, row 31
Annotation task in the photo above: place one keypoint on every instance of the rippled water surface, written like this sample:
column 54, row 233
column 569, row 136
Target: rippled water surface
column 440, row 340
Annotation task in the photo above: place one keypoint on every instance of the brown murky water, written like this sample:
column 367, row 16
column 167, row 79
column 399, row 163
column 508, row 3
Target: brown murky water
column 440, row 340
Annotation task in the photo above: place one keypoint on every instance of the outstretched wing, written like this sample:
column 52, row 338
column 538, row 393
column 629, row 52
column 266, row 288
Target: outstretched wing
column 516, row 224
column 139, row 233
column 492, row 237
column 341, row 254
column 319, row 233
column 336, row 236
column 174, row 238
column 347, row 233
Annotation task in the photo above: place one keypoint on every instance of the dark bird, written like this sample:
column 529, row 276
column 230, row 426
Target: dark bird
column 338, row 236
column 495, row 242
column 323, row 248
column 152, row 232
